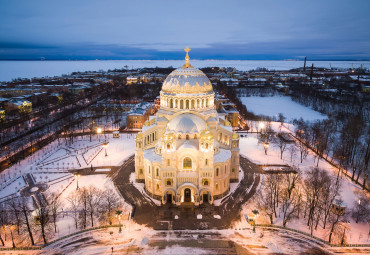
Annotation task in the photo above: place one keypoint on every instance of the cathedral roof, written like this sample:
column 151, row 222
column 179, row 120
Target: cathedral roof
column 187, row 80
column 187, row 123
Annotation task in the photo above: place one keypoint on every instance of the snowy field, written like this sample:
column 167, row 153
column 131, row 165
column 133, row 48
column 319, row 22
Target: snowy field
column 28, row 69
column 52, row 164
column 251, row 148
column 272, row 106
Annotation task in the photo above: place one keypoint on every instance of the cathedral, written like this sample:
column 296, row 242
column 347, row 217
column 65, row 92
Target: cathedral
column 187, row 153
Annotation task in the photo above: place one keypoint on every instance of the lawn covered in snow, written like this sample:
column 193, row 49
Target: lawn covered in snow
column 253, row 149
column 272, row 106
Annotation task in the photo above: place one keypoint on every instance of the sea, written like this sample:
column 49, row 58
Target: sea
column 10, row 70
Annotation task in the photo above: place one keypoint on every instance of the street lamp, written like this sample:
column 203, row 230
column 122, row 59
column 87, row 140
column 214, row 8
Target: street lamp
column 99, row 131
column 105, row 145
column 261, row 126
column 118, row 215
column 266, row 146
column 77, row 175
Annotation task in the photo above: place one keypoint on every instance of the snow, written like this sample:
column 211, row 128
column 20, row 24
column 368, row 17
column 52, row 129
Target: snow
column 29, row 69
column 140, row 187
column 254, row 151
column 272, row 106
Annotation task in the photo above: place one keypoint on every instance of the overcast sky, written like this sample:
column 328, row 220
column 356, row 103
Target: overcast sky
column 110, row 29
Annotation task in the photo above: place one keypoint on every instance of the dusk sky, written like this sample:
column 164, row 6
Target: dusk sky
column 265, row 29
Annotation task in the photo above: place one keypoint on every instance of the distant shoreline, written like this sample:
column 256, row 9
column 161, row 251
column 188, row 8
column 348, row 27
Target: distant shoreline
column 13, row 69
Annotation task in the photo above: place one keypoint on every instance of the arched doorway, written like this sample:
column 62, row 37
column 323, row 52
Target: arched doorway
column 205, row 198
column 187, row 195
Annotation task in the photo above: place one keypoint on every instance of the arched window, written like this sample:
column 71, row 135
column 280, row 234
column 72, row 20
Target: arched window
column 187, row 164
column 168, row 162
column 171, row 103
column 169, row 182
column 206, row 146
column 168, row 146
column 141, row 171
column 225, row 169
column 157, row 172
column 181, row 104
column 149, row 169
column 176, row 104
column 202, row 103
column 157, row 186
column 187, row 137
column 198, row 103
column 217, row 171
column 206, row 161
column 207, row 102
column 187, row 104
column 205, row 182
column 195, row 136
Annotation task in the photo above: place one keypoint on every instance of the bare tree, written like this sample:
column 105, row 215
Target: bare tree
column 55, row 206
column 25, row 209
column 83, row 205
column 93, row 202
column 291, row 197
column 314, row 182
column 42, row 214
column 3, row 221
column 110, row 202
column 14, row 206
column 335, row 218
column 281, row 144
column 361, row 209
column 74, row 206
column 330, row 191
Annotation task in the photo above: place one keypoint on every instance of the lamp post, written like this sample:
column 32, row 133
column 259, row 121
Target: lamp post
column 266, row 146
column 105, row 145
column 118, row 215
column 77, row 175
column 99, row 130
column 261, row 126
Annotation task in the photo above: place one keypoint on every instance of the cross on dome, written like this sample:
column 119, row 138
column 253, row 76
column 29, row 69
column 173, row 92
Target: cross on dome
column 187, row 58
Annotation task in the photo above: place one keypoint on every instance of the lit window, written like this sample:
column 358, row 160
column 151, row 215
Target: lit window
column 187, row 163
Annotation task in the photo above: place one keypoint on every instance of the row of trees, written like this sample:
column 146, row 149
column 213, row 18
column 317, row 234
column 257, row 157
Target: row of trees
column 346, row 142
column 310, row 197
column 26, row 225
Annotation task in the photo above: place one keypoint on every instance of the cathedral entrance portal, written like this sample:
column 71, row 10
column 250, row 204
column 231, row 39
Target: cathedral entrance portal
column 169, row 199
column 205, row 198
column 187, row 195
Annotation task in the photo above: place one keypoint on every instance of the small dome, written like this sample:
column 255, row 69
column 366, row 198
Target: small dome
column 187, row 123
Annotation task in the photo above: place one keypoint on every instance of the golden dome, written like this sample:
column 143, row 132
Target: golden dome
column 187, row 80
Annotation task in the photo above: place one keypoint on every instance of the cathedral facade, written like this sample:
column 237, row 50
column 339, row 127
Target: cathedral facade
column 187, row 153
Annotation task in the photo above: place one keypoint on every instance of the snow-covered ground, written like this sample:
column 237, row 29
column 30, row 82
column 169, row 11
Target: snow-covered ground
column 251, row 148
column 272, row 106
column 28, row 69
column 51, row 164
